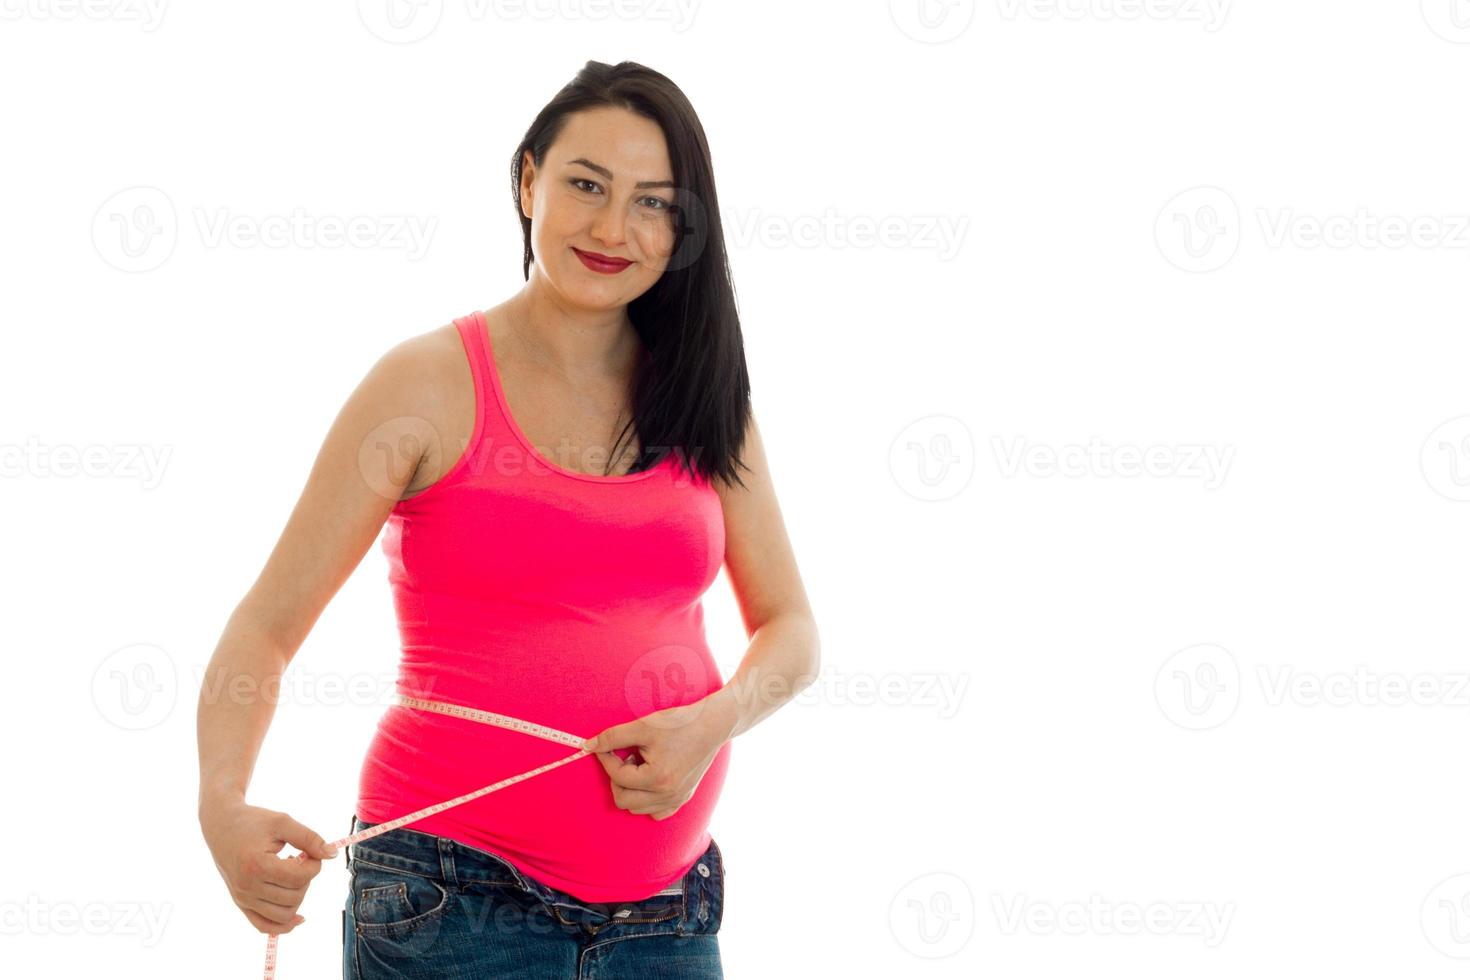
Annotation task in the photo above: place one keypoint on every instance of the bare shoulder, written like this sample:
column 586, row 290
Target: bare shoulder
column 426, row 378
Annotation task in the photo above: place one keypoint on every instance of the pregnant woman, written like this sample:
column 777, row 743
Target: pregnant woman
column 555, row 479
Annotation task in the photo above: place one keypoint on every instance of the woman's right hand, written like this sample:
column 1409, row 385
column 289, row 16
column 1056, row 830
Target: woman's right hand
column 245, row 840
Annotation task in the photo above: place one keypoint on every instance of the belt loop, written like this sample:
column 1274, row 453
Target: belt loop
column 446, row 861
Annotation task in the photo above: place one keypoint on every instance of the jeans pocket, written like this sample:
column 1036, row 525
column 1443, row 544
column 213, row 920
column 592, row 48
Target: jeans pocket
column 393, row 903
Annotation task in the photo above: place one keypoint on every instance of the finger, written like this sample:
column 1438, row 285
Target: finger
column 612, row 761
column 266, row 925
column 630, row 776
column 279, row 914
column 308, row 841
column 640, row 801
column 290, row 897
column 290, row 872
column 616, row 737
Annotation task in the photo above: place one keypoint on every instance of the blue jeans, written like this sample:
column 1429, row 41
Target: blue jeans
column 422, row 906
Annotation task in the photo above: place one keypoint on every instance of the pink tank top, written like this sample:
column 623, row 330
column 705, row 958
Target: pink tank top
column 557, row 597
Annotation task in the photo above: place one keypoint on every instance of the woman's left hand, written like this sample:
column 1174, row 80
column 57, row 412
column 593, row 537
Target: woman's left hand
column 672, row 749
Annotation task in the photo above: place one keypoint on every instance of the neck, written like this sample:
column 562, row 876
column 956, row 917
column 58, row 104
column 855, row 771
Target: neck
column 580, row 344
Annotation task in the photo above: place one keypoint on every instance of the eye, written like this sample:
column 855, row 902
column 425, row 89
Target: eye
column 659, row 204
column 576, row 181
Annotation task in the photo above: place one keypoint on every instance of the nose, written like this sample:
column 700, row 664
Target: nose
column 610, row 225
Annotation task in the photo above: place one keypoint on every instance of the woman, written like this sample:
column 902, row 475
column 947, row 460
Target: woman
column 559, row 586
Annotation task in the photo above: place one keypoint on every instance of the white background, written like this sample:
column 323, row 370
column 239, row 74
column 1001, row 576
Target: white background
column 1227, row 698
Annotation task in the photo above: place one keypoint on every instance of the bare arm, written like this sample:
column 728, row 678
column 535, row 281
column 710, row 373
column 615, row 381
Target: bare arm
column 784, row 655
column 367, row 460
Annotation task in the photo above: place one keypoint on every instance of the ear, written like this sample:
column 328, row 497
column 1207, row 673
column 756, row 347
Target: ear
column 528, row 183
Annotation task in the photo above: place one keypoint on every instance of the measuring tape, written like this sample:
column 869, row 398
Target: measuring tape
column 458, row 711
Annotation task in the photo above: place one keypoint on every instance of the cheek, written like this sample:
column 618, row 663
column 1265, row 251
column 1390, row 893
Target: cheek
column 655, row 242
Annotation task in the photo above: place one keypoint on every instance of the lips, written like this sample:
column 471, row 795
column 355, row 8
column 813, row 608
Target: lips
column 598, row 262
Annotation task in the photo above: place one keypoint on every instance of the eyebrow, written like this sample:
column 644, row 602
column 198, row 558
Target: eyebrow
column 609, row 174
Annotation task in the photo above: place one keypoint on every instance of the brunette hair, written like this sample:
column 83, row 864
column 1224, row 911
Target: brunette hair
column 691, row 394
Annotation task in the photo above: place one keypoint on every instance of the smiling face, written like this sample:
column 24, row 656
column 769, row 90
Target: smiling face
column 604, row 189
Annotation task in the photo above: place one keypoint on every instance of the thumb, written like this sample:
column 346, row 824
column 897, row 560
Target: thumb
column 617, row 737
column 307, row 840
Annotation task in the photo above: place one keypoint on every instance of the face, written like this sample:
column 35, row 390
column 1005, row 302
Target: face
column 605, row 188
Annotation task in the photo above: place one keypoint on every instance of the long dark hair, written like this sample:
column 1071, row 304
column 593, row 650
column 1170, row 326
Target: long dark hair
column 691, row 393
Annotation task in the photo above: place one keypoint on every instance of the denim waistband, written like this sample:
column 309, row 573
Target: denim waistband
column 436, row 857
column 692, row 898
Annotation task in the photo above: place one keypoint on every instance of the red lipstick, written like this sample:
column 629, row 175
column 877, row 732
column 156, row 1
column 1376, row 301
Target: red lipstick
column 605, row 264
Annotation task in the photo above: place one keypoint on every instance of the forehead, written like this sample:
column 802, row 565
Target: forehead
column 630, row 145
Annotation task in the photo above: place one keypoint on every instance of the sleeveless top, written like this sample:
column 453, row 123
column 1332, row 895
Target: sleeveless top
column 561, row 598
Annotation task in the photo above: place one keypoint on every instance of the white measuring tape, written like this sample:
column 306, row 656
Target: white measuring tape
column 459, row 711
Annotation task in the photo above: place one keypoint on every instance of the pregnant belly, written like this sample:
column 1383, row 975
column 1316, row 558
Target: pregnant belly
column 561, row 827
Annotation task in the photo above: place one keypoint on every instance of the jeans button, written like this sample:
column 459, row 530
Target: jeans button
column 703, row 871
